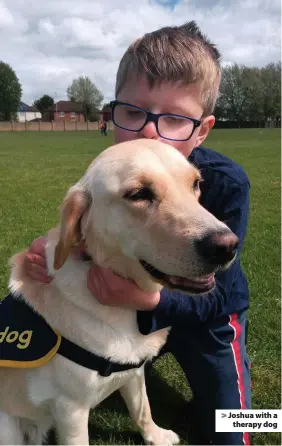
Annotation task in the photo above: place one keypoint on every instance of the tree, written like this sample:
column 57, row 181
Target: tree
column 250, row 94
column 85, row 91
column 94, row 115
column 44, row 103
column 10, row 92
column 238, row 92
column 271, row 92
column 253, row 107
column 220, row 110
column 106, row 106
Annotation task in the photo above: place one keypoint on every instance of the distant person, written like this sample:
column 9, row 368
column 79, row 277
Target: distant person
column 103, row 128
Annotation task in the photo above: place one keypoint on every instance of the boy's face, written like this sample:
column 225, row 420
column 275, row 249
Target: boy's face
column 165, row 98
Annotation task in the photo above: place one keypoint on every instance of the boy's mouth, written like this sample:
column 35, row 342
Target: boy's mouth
column 196, row 285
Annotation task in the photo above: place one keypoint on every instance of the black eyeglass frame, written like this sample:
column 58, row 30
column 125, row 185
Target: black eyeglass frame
column 153, row 117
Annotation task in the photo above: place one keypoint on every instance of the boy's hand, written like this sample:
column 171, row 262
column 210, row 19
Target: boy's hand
column 104, row 284
column 111, row 289
column 35, row 261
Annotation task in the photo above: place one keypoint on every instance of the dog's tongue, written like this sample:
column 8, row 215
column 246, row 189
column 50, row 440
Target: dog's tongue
column 199, row 281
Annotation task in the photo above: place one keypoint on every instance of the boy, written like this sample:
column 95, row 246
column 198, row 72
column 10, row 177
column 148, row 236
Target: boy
column 166, row 88
column 103, row 128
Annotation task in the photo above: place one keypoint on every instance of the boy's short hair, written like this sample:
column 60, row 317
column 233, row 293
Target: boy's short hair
column 175, row 54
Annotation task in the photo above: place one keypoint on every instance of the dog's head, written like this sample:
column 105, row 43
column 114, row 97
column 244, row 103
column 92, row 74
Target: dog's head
column 137, row 211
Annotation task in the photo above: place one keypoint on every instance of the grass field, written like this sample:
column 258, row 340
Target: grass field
column 35, row 171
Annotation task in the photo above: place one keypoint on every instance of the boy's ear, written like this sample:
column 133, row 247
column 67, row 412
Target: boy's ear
column 75, row 204
column 205, row 127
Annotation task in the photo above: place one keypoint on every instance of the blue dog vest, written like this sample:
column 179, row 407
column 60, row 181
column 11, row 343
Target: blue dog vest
column 28, row 341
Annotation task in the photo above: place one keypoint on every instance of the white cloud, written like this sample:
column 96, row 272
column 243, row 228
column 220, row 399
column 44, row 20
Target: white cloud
column 49, row 43
column 6, row 18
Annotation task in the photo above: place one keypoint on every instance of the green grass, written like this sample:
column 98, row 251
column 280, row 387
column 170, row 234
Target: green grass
column 35, row 171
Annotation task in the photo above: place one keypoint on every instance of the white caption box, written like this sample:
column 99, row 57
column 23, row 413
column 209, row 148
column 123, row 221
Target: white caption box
column 248, row 420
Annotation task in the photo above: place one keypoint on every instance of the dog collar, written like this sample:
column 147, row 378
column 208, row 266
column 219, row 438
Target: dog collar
column 83, row 357
column 28, row 341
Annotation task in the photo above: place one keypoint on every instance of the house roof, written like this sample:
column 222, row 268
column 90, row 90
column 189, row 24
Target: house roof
column 23, row 107
column 67, row 106
column 106, row 110
column 33, row 109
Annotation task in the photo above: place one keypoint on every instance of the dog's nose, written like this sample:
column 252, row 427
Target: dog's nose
column 218, row 247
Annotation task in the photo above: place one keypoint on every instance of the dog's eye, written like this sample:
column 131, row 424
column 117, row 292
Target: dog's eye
column 196, row 185
column 143, row 194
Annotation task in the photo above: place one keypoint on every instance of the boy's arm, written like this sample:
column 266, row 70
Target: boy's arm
column 181, row 308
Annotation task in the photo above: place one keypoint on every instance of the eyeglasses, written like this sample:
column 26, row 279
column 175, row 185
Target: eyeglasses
column 169, row 126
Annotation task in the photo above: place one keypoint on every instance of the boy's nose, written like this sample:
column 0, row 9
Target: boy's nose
column 149, row 131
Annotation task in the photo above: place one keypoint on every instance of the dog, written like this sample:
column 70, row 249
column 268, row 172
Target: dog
column 136, row 210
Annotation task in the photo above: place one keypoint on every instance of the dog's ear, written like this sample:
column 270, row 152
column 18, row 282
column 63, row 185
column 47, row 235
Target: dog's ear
column 75, row 204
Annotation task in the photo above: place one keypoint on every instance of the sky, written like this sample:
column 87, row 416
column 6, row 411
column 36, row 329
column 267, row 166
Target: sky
column 50, row 42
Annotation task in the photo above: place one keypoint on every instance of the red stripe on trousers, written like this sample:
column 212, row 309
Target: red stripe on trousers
column 235, row 345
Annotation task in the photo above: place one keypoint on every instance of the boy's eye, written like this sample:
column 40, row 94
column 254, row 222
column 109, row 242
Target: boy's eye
column 175, row 120
column 172, row 119
column 134, row 113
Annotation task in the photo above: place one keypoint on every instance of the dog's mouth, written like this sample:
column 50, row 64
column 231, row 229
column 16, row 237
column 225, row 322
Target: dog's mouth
column 197, row 285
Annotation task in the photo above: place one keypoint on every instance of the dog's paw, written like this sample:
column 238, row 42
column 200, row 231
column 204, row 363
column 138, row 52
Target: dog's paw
column 158, row 436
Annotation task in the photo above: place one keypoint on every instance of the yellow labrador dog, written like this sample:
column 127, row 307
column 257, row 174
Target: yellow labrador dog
column 136, row 211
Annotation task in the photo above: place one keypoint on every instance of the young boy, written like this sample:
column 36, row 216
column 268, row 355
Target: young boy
column 166, row 88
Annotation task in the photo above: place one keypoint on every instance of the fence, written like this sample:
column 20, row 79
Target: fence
column 220, row 124
column 53, row 126
column 69, row 126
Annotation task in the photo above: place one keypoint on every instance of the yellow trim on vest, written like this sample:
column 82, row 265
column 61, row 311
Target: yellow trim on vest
column 37, row 362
